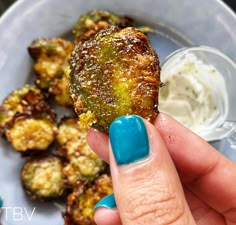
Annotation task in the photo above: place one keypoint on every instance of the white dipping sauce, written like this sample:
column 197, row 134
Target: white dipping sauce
column 194, row 94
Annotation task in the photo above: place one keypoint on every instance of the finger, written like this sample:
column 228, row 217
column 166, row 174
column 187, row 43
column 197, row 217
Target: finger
column 178, row 137
column 146, row 185
column 105, row 216
column 208, row 174
column 106, row 212
column 99, row 142
column 202, row 213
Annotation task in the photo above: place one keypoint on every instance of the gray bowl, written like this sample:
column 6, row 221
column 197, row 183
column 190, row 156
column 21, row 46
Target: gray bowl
column 176, row 24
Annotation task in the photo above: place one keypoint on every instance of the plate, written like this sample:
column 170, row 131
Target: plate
column 191, row 24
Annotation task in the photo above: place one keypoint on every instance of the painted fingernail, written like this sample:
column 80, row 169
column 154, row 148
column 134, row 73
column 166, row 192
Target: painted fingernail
column 107, row 202
column 129, row 139
column 1, row 202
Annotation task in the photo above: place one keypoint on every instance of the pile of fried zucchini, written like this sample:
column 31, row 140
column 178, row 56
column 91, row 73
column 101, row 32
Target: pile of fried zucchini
column 59, row 161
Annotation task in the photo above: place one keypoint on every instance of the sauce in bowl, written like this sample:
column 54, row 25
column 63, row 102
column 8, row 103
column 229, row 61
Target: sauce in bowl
column 194, row 93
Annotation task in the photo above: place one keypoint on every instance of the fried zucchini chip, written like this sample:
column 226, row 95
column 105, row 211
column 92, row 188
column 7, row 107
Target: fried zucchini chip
column 60, row 89
column 80, row 203
column 115, row 73
column 83, row 164
column 27, row 133
column 27, row 100
column 93, row 21
column 51, row 59
column 69, row 129
column 42, row 177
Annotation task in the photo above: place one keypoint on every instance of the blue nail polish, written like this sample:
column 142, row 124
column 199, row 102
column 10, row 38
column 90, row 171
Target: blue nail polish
column 129, row 139
column 1, row 202
column 107, row 202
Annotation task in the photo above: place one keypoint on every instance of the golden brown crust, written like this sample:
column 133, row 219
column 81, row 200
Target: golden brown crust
column 82, row 163
column 52, row 68
column 60, row 89
column 68, row 129
column 27, row 133
column 80, row 203
column 42, row 177
column 93, row 21
column 114, row 74
column 27, row 100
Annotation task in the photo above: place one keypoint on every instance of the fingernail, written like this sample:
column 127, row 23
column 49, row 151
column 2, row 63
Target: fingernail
column 129, row 139
column 107, row 202
column 1, row 202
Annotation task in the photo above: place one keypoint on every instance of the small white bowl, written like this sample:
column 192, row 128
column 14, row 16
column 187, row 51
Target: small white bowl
column 223, row 124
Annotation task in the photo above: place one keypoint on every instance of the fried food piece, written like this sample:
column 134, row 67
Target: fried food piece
column 80, row 203
column 60, row 89
column 93, row 21
column 114, row 74
column 28, row 133
column 27, row 120
column 69, row 129
column 27, row 100
column 83, row 164
column 51, row 59
column 42, row 177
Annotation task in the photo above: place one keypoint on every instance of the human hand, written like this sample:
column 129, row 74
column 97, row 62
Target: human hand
column 172, row 177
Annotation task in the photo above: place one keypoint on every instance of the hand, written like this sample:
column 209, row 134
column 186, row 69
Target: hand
column 169, row 176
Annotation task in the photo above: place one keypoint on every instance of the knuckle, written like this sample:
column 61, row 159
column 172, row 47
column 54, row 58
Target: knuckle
column 163, row 208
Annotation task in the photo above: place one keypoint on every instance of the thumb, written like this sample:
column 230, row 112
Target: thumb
column 146, row 185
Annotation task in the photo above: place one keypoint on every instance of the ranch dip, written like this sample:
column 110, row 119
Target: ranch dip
column 194, row 93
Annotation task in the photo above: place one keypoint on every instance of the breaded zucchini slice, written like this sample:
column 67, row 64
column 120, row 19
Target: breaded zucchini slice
column 82, row 163
column 116, row 73
column 80, row 203
column 51, row 59
column 93, row 21
column 28, row 133
column 42, row 177
column 69, row 129
column 27, row 100
column 60, row 89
